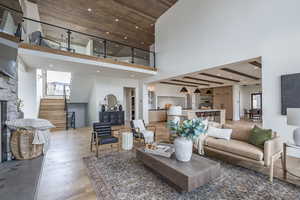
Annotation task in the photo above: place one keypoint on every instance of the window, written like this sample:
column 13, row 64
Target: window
column 57, row 82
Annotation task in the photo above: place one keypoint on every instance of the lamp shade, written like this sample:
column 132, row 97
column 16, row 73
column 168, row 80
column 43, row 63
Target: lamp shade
column 184, row 90
column 197, row 91
column 175, row 110
column 293, row 116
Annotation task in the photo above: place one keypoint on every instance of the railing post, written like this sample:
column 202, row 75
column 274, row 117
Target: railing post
column 69, row 40
column 132, row 55
column 154, row 60
column 105, row 48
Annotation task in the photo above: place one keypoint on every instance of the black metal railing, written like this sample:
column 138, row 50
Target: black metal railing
column 65, row 39
column 72, row 120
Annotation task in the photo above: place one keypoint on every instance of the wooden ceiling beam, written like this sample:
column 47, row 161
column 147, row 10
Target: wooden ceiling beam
column 219, row 77
column 135, row 10
column 255, row 63
column 240, row 73
column 203, row 80
column 165, row 2
column 189, row 82
column 177, row 84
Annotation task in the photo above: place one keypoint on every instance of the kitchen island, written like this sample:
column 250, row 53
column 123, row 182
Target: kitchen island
column 217, row 115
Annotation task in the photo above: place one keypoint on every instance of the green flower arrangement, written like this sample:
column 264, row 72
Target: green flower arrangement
column 189, row 129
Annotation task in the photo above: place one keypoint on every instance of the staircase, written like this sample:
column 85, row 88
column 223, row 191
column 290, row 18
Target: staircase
column 54, row 111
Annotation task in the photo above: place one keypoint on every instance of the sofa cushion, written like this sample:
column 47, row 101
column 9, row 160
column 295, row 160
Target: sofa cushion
column 239, row 132
column 259, row 136
column 237, row 147
column 219, row 133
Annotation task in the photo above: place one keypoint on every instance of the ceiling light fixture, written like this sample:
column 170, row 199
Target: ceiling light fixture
column 125, row 37
column 137, row 27
column 184, row 90
column 89, row 9
column 107, row 33
column 116, row 19
column 197, row 91
column 208, row 92
column 98, row 71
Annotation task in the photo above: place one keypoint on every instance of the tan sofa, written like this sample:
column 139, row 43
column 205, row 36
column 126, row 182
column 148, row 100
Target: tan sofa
column 239, row 148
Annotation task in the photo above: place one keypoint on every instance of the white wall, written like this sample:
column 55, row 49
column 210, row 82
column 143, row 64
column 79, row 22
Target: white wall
column 31, row 10
column 27, row 90
column 163, row 90
column 93, row 106
column 212, row 33
column 245, row 96
column 81, row 86
column 109, row 85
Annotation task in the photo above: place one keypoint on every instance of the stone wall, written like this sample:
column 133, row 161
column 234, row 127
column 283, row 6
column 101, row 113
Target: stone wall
column 8, row 92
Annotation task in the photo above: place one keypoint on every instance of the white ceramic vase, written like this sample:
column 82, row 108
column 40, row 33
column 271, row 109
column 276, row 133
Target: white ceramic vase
column 183, row 149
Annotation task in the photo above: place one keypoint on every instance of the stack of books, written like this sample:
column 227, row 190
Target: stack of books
column 160, row 150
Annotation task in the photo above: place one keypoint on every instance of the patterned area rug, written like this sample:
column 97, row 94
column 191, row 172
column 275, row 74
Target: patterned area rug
column 122, row 176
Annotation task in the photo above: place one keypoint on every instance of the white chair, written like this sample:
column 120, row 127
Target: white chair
column 142, row 132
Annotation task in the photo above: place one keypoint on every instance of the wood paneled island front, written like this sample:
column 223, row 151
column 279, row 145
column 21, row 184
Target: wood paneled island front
column 217, row 115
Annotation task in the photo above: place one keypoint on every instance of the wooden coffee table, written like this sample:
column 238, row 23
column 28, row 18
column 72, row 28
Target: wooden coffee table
column 185, row 176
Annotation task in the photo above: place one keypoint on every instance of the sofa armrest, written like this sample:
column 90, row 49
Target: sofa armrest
column 271, row 147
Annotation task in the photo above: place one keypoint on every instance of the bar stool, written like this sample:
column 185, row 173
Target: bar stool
column 216, row 116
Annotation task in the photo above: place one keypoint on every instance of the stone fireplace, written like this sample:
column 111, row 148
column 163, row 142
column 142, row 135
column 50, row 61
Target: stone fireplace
column 8, row 106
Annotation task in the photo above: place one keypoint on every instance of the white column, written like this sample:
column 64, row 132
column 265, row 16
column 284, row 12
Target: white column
column 143, row 102
column 236, row 102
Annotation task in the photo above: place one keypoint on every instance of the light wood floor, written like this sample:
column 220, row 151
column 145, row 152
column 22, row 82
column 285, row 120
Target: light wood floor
column 64, row 175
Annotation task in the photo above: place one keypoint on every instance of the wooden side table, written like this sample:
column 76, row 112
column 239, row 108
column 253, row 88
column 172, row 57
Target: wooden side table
column 284, row 162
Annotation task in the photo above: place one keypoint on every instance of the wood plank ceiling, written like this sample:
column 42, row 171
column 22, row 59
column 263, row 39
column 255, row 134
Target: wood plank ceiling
column 242, row 73
column 126, row 21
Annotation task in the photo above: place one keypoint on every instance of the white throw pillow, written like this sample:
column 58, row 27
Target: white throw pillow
column 219, row 133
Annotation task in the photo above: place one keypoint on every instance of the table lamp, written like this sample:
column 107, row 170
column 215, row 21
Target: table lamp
column 293, row 119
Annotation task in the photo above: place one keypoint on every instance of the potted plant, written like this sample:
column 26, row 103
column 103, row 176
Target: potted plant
column 186, row 132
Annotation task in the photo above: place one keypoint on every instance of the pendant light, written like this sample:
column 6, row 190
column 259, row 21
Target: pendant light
column 208, row 92
column 184, row 90
column 197, row 91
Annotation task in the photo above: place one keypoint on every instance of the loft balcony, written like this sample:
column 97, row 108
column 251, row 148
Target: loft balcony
column 40, row 38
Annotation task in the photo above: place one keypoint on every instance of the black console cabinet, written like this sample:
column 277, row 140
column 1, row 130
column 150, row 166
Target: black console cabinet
column 112, row 117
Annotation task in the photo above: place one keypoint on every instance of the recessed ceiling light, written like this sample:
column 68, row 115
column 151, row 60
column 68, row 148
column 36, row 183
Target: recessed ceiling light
column 125, row 37
column 89, row 9
column 107, row 33
column 98, row 71
column 116, row 19
column 137, row 27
